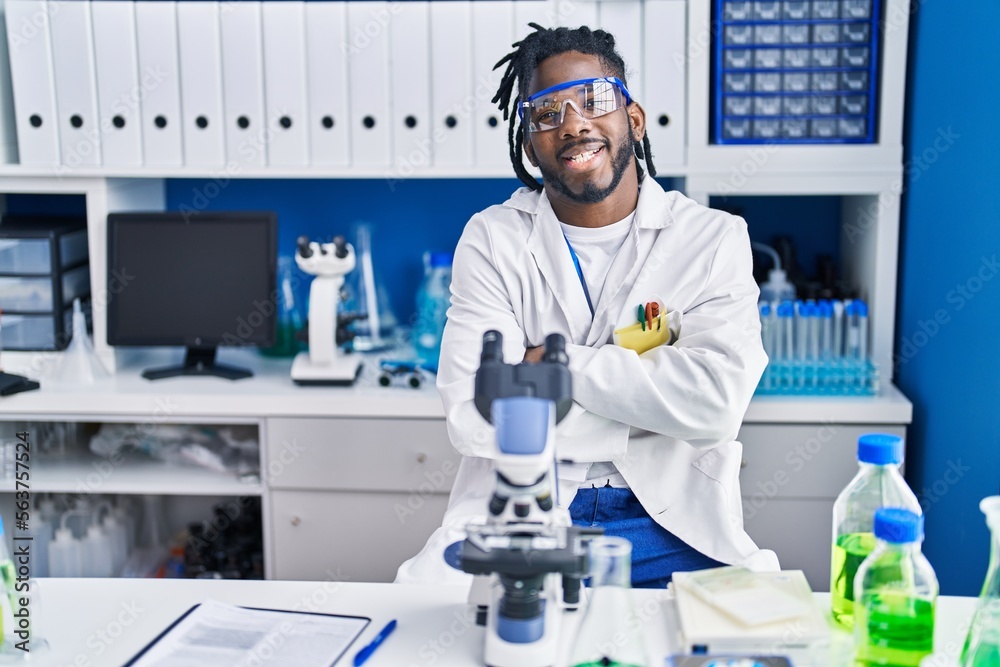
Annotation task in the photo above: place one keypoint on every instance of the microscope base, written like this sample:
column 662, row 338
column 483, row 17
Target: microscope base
column 342, row 371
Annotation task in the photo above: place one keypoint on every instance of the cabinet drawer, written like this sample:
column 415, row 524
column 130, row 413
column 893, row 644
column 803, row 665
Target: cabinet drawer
column 799, row 531
column 801, row 460
column 361, row 454
column 349, row 536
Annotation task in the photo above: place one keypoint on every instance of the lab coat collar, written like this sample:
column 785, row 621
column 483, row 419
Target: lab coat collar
column 551, row 252
column 652, row 209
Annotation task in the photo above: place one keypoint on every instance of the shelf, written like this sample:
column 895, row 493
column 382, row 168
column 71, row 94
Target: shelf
column 222, row 172
column 133, row 473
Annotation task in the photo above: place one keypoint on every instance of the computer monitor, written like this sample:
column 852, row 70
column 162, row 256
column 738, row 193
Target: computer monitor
column 200, row 280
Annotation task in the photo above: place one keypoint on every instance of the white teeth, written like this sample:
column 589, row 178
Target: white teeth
column 584, row 157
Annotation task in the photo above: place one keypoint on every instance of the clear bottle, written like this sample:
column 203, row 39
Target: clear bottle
column 982, row 646
column 877, row 483
column 433, row 299
column 609, row 634
column 895, row 591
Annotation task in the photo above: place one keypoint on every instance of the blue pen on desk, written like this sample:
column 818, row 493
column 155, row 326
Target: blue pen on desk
column 366, row 652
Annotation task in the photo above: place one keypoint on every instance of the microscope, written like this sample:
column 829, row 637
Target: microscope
column 325, row 363
column 528, row 558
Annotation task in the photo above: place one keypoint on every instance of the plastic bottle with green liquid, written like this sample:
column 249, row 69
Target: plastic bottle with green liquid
column 878, row 483
column 982, row 646
column 895, row 593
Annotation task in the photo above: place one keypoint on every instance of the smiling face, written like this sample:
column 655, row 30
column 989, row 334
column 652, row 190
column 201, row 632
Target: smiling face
column 584, row 161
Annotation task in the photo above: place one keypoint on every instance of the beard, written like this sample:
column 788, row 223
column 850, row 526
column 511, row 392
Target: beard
column 591, row 193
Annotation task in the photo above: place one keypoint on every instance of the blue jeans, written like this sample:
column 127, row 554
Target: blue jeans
column 656, row 552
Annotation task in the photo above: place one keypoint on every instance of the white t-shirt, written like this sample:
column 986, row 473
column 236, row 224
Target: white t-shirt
column 596, row 249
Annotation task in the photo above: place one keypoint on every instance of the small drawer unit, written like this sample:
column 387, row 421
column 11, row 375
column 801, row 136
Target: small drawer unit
column 796, row 71
column 44, row 266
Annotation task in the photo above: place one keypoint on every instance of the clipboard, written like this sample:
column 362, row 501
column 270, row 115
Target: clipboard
column 363, row 622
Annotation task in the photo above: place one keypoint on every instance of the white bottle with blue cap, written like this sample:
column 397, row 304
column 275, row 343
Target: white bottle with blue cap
column 877, row 484
column 895, row 593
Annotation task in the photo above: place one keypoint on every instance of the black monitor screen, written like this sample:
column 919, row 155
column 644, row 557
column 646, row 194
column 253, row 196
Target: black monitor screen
column 200, row 280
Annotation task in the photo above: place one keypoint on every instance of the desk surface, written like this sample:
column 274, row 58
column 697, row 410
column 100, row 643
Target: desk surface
column 99, row 622
column 271, row 393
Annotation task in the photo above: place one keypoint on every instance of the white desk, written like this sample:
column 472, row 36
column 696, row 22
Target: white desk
column 103, row 622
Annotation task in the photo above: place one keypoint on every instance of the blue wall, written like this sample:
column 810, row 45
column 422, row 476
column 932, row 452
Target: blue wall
column 408, row 217
column 948, row 358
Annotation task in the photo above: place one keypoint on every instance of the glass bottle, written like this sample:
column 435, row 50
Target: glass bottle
column 982, row 646
column 433, row 299
column 609, row 634
column 289, row 313
column 895, row 592
column 877, row 483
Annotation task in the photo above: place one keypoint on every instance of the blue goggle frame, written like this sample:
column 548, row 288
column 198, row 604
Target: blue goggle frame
column 615, row 81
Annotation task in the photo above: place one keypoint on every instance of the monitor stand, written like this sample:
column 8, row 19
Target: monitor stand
column 198, row 361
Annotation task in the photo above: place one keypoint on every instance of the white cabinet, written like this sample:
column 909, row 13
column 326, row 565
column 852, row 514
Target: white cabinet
column 351, row 499
column 790, row 476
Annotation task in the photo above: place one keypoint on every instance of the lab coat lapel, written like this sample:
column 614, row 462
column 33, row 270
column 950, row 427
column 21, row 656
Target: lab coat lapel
column 551, row 252
column 651, row 213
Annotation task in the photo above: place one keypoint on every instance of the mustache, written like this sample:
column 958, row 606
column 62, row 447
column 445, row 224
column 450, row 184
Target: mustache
column 578, row 144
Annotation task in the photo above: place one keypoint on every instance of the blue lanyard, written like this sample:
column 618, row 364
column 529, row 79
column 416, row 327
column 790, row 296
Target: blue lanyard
column 579, row 272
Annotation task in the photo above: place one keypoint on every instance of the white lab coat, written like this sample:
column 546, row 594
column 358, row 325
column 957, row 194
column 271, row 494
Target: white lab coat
column 667, row 418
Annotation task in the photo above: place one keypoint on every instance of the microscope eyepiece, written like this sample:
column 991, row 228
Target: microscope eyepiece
column 555, row 349
column 492, row 347
column 304, row 249
column 340, row 246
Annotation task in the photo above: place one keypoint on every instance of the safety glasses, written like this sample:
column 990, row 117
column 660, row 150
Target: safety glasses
column 591, row 98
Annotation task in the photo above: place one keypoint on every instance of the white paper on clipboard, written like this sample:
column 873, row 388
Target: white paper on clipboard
column 214, row 633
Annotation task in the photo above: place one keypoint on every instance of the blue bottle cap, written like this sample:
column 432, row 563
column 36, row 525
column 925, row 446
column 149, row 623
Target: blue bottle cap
column 786, row 309
column 899, row 526
column 440, row 259
column 825, row 308
column 765, row 310
column 850, row 307
column 861, row 308
column 880, row 449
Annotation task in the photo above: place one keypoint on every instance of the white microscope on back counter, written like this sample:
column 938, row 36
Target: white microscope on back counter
column 325, row 363
column 528, row 558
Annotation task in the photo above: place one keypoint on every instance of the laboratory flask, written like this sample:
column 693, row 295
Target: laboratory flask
column 610, row 633
column 433, row 299
column 895, row 592
column 877, row 483
column 982, row 646
column 290, row 320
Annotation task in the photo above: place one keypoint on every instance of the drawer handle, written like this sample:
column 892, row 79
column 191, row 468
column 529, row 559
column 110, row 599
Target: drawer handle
column 743, row 463
column 421, row 458
column 296, row 520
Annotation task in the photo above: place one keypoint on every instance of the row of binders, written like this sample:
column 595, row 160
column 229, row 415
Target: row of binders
column 368, row 83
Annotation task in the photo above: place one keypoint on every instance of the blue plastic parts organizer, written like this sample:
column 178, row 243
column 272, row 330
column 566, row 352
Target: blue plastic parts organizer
column 795, row 71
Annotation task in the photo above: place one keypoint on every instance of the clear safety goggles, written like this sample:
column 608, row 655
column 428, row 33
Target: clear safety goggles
column 591, row 98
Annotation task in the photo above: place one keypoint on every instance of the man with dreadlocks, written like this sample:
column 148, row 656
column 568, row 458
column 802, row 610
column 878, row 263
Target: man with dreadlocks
column 648, row 450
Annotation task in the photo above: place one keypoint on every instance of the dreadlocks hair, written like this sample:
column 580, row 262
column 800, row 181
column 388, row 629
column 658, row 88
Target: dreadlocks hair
column 521, row 63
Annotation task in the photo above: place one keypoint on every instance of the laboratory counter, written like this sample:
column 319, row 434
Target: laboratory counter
column 104, row 622
column 271, row 393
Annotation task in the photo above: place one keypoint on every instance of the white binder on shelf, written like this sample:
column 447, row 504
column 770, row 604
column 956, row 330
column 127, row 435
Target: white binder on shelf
column 32, row 78
column 410, row 81
column 76, row 83
column 329, row 123
column 118, row 82
column 453, row 101
column 160, row 108
column 492, row 35
column 367, row 49
column 243, row 84
column 624, row 21
column 664, row 56
column 200, row 55
column 285, row 82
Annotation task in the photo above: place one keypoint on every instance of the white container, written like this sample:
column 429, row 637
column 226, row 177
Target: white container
column 65, row 559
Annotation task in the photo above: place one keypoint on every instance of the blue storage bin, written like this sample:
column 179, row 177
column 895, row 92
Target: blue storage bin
column 795, row 71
